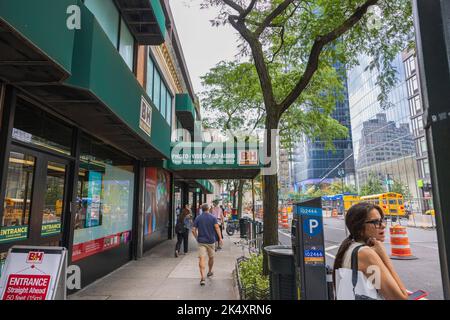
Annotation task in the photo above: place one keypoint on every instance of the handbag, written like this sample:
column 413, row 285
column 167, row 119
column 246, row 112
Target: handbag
column 355, row 275
column 352, row 284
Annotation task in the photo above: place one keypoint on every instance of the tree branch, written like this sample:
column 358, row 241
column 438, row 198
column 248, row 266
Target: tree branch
column 234, row 5
column 281, row 45
column 260, row 64
column 272, row 16
column 319, row 44
column 247, row 11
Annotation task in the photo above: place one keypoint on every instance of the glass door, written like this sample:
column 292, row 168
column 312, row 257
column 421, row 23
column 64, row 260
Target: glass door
column 35, row 199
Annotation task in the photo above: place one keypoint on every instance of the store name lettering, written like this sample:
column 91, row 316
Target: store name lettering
column 74, row 18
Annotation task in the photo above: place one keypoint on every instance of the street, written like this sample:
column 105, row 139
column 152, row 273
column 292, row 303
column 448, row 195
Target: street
column 423, row 273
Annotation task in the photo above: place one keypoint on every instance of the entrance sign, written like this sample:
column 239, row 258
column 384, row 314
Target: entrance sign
column 309, row 250
column 34, row 273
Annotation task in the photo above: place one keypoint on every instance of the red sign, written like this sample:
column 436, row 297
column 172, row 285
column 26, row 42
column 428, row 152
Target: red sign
column 248, row 158
column 35, row 257
column 86, row 249
column 26, row 287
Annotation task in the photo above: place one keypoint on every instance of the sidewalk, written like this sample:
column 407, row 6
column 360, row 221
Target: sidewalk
column 161, row 276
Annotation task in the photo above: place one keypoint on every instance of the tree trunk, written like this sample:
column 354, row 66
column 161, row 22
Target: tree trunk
column 235, row 186
column 240, row 196
column 270, row 199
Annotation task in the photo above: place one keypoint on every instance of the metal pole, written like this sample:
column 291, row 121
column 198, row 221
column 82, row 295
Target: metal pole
column 253, row 200
column 432, row 21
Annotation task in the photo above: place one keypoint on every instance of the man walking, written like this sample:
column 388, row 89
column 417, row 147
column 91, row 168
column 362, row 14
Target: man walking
column 205, row 231
column 216, row 211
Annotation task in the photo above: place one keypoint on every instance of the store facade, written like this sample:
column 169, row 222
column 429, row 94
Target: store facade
column 86, row 118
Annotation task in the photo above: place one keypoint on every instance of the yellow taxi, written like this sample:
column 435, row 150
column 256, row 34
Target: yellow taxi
column 430, row 212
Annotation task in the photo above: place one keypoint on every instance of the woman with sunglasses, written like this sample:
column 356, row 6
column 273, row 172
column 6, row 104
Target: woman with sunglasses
column 366, row 225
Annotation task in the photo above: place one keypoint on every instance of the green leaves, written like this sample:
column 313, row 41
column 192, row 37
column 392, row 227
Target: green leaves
column 251, row 276
column 372, row 186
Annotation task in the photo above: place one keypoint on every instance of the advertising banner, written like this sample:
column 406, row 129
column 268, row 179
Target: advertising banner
column 94, row 199
column 89, row 248
column 157, row 200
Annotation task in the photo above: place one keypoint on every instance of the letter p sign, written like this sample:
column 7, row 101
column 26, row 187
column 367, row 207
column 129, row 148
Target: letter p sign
column 312, row 226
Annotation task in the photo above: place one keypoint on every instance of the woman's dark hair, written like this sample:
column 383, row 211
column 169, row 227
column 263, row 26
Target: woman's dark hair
column 355, row 221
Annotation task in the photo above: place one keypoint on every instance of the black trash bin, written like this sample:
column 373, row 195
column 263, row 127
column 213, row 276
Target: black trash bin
column 243, row 222
column 281, row 273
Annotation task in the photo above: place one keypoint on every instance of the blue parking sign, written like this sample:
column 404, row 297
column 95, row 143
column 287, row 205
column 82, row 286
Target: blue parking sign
column 312, row 226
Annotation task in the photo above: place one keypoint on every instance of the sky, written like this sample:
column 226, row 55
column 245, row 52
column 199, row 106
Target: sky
column 203, row 45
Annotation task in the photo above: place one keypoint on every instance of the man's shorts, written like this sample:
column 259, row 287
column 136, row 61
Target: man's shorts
column 206, row 249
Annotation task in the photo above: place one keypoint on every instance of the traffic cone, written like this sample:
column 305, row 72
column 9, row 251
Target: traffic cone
column 400, row 248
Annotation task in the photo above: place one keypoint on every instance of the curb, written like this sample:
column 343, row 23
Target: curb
column 235, row 285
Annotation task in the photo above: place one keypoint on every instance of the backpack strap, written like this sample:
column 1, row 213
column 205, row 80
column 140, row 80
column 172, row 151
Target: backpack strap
column 355, row 266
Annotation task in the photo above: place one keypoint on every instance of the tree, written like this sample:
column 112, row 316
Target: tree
column 338, row 186
column 400, row 187
column 372, row 186
column 295, row 45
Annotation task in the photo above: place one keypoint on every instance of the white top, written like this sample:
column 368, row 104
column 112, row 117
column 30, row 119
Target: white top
column 347, row 263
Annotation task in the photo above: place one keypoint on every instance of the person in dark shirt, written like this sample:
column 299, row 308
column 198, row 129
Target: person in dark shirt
column 205, row 231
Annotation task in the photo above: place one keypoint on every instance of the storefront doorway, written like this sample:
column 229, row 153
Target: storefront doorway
column 35, row 198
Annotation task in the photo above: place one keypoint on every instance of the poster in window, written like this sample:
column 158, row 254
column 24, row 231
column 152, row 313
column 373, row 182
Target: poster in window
column 156, row 201
column 93, row 211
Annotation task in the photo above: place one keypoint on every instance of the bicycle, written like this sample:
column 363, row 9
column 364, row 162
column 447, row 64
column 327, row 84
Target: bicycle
column 232, row 226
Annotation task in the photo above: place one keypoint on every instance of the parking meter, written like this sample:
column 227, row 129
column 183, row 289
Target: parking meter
column 309, row 250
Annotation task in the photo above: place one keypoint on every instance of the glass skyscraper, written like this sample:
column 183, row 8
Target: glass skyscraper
column 385, row 140
column 313, row 164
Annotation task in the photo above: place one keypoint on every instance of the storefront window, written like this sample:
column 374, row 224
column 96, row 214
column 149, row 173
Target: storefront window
column 105, row 199
column 126, row 47
column 54, row 199
column 17, row 204
column 35, row 127
column 169, row 108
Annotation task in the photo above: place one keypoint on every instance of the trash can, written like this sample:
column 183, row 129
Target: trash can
column 259, row 227
column 243, row 222
column 281, row 273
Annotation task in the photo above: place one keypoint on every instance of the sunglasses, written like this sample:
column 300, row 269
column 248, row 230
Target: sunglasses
column 377, row 222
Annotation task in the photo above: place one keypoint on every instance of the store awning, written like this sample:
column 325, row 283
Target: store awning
column 79, row 75
column 145, row 19
column 214, row 160
column 185, row 111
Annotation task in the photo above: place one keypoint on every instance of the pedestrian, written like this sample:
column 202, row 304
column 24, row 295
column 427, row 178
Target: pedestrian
column 217, row 212
column 366, row 224
column 205, row 231
column 182, row 228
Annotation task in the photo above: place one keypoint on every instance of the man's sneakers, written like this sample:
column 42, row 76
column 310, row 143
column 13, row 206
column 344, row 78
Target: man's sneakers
column 202, row 282
column 210, row 274
column 176, row 253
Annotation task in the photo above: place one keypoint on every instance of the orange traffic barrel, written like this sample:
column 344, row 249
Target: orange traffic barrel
column 285, row 219
column 400, row 248
column 334, row 213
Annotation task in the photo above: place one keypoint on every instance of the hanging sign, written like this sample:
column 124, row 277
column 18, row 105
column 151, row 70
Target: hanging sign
column 145, row 120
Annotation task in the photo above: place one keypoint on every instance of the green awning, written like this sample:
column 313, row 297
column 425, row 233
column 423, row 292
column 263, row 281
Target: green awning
column 145, row 19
